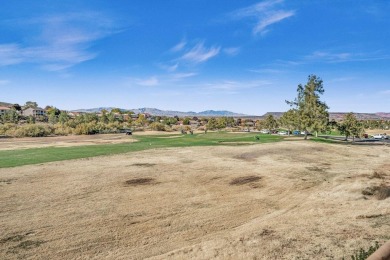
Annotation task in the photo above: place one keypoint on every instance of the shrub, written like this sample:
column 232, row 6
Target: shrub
column 156, row 126
column 62, row 130
column 34, row 130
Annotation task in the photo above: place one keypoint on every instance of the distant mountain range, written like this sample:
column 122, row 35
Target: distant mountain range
column 340, row 115
column 158, row 112
column 219, row 113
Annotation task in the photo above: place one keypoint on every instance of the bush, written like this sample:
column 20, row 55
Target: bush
column 85, row 129
column 156, row 126
column 62, row 130
column 34, row 130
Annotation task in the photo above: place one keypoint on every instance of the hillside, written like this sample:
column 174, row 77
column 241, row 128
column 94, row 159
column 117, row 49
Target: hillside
column 340, row 115
column 158, row 112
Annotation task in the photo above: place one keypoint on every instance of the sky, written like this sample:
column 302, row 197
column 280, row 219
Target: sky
column 194, row 55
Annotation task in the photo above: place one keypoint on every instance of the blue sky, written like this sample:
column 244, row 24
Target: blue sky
column 194, row 55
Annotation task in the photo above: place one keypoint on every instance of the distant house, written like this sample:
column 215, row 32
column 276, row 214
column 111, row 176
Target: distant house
column 4, row 110
column 34, row 111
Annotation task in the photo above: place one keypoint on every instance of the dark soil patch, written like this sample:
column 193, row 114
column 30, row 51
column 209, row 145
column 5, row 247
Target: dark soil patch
column 372, row 216
column 369, row 191
column 245, row 180
column 13, row 238
column 247, row 156
column 6, row 181
column 141, row 181
column 377, row 175
column 383, row 193
column 29, row 244
column 143, row 164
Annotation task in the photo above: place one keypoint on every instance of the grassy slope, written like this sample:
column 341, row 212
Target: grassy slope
column 12, row 158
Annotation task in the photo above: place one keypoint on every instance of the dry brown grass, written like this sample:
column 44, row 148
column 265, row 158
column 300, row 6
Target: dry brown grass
column 310, row 204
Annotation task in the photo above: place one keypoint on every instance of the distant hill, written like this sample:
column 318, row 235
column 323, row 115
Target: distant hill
column 4, row 104
column 158, row 112
column 340, row 115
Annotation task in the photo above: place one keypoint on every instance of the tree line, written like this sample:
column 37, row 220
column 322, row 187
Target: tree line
column 307, row 113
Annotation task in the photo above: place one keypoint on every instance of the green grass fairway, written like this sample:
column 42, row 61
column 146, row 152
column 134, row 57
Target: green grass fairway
column 12, row 158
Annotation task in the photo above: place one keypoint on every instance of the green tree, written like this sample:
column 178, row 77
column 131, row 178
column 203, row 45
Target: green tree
column 11, row 116
column 103, row 118
column 17, row 107
column 111, row 117
column 350, row 126
column 52, row 110
column 116, row 110
column 186, row 121
column 270, row 123
column 141, row 120
column 312, row 112
column 52, row 118
column 289, row 120
column 63, row 118
column 212, row 123
column 30, row 104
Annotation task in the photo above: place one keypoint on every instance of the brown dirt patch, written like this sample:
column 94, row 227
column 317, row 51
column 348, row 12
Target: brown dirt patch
column 245, row 180
column 143, row 164
column 141, row 181
column 383, row 193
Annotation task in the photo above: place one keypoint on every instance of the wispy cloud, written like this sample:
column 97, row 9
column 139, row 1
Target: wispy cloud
column 180, row 46
column 160, row 80
column 233, row 51
column 199, row 53
column 334, row 57
column 63, row 41
column 169, row 68
column 180, row 76
column 328, row 56
column 148, row 82
column 265, row 13
column 266, row 71
column 234, row 87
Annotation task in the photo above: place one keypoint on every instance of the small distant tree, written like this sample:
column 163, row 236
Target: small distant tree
column 52, row 110
column 141, row 120
column 52, row 118
column 212, row 123
column 289, row 120
column 116, row 110
column 63, row 118
column 350, row 126
column 221, row 122
column 111, row 117
column 30, row 104
column 270, row 122
column 186, row 121
column 11, row 116
column 17, row 107
column 103, row 118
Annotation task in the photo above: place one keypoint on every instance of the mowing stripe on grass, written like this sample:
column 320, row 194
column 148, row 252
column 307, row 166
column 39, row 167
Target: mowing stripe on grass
column 13, row 158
